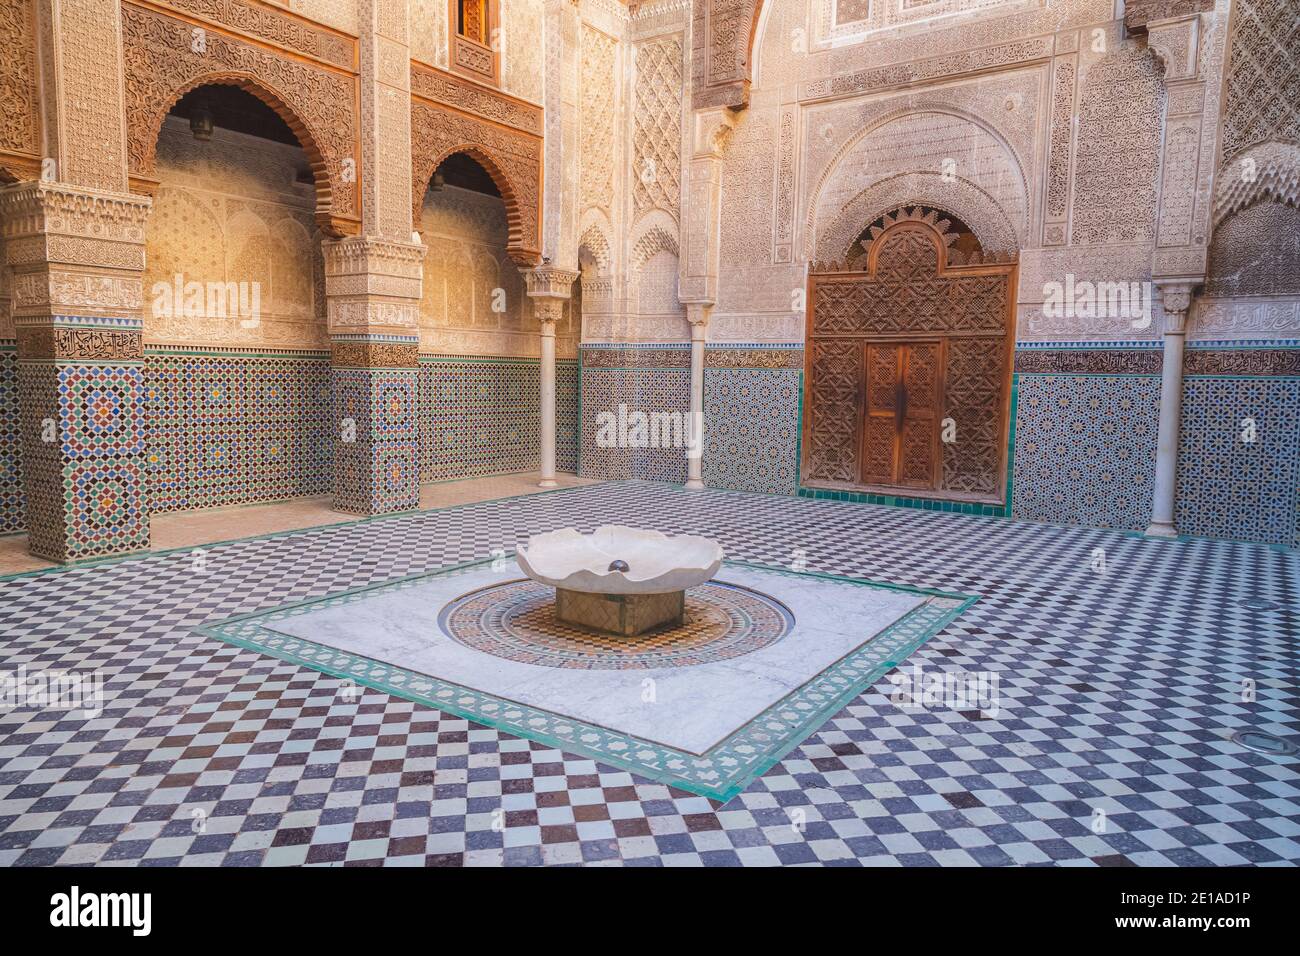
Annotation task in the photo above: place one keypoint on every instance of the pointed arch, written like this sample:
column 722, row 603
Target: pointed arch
column 423, row 175
column 144, row 138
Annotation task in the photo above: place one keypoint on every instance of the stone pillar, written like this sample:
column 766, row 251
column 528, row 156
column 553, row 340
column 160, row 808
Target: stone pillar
column 1176, row 300
column 549, row 289
column 77, row 256
column 702, row 194
column 698, row 315
column 373, row 286
column 373, row 289
column 75, row 243
column 701, row 253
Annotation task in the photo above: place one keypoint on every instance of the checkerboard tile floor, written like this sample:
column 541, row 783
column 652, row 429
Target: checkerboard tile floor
column 1117, row 693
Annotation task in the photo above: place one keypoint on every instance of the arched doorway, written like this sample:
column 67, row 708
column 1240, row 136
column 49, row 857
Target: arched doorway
column 479, row 376
column 908, row 363
column 237, row 395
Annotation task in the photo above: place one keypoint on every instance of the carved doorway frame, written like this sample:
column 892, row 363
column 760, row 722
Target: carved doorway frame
column 910, row 286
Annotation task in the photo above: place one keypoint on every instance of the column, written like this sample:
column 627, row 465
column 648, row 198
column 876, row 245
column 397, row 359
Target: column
column 75, row 242
column 549, row 289
column 698, row 315
column 1176, row 300
column 698, row 279
column 372, row 287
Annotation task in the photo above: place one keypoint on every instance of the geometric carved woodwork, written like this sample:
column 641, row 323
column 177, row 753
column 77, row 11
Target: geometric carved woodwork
column 304, row 72
column 903, row 398
column 501, row 133
column 897, row 348
column 472, row 24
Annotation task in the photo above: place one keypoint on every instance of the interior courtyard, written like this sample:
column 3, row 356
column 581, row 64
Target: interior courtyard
column 668, row 433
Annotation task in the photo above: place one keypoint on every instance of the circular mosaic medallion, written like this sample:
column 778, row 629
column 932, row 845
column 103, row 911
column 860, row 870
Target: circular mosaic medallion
column 516, row 620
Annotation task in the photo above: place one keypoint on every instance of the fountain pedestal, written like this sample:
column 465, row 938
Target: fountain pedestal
column 619, row 580
column 624, row 614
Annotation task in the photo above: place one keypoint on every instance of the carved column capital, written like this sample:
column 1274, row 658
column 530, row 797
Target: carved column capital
column 549, row 282
column 373, row 285
column 697, row 314
column 712, row 130
column 1176, row 300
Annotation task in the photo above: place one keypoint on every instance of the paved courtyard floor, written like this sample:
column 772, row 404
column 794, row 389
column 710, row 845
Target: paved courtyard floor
column 1116, row 693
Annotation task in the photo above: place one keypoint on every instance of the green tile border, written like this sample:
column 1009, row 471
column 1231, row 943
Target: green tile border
column 726, row 770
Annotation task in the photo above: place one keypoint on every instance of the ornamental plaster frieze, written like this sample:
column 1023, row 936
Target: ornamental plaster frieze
column 283, row 28
column 1245, row 317
column 756, row 327
column 74, row 293
column 653, row 19
column 1033, row 324
column 50, row 209
column 453, row 91
column 363, row 316
column 369, row 255
column 270, row 332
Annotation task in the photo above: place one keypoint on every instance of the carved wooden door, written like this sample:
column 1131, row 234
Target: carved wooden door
column 901, row 413
column 906, row 344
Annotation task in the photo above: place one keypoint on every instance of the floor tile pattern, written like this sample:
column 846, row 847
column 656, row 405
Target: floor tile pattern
column 1117, row 692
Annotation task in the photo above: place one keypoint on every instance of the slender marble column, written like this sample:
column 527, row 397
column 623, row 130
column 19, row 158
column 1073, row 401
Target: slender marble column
column 698, row 315
column 548, row 395
column 548, row 288
column 1176, row 300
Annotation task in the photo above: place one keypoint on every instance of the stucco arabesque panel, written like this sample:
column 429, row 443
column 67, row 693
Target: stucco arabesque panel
column 1004, row 109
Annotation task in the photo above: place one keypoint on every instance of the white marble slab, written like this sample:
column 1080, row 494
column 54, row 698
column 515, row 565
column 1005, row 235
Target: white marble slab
column 692, row 708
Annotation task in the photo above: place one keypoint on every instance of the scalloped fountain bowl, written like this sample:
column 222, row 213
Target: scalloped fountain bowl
column 617, row 579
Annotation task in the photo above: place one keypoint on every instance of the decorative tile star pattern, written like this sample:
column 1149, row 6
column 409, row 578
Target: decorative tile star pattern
column 1116, row 693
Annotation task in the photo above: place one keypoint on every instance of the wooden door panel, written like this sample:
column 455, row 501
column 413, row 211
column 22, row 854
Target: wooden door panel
column 918, row 437
column 880, row 419
column 932, row 342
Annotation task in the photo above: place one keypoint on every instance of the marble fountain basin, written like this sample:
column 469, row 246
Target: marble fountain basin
column 617, row 579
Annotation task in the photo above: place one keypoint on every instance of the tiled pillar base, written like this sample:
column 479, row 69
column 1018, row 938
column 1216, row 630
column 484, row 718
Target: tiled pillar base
column 373, row 291
column 377, row 433
column 77, row 255
column 83, row 457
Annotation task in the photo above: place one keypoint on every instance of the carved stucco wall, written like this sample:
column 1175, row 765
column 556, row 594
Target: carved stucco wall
column 20, row 117
column 1253, row 286
column 597, row 98
column 303, row 72
column 522, row 59
column 466, row 262
column 829, row 141
column 232, row 211
column 521, row 25
column 429, row 31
